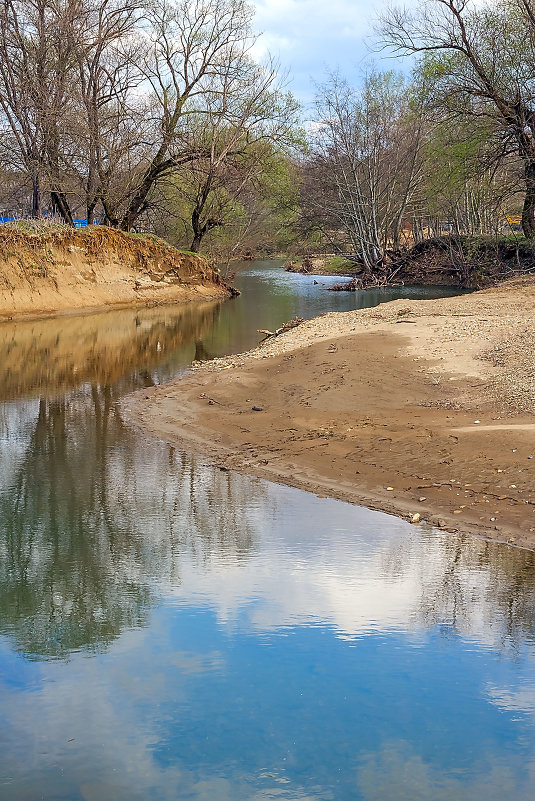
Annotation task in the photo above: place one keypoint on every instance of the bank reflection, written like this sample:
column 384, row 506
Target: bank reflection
column 47, row 357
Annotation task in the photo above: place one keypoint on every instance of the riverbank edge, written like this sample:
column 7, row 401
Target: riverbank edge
column 57, row 270
column 177, row 413
column 463, row 261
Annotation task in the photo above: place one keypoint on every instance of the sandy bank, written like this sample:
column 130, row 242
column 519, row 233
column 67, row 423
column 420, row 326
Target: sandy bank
column 414, row 407
column 67, row 269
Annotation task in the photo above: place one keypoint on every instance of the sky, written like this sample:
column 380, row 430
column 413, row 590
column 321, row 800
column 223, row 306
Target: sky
column 310, row 37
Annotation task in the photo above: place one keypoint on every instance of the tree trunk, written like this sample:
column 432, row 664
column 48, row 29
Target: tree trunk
column 196, row 243
column 528, row 211
column 90, row 211
column 137, row 204
column 60, row 202
column 36, row 197
column 198, row 229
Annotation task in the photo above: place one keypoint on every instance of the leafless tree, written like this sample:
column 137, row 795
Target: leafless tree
column 102, row 102
column 240, row 131
column 193, row 50
column 482, row 61
column 364, row 163
column 109, row 128
column 37, row 43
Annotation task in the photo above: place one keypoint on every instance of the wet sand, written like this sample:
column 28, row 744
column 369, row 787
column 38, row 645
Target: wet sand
column 424, row 409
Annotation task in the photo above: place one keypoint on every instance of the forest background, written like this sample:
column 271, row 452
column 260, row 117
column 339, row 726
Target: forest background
column 161, row 117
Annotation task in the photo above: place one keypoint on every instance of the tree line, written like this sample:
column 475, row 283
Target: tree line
column 109, row 108
column 155, row 115
column 449, row 150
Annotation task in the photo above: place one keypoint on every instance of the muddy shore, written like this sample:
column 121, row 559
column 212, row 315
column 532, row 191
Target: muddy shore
column 424, row 409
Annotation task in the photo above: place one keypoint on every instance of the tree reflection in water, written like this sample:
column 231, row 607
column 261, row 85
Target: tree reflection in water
column 92, row 518
column 96, row 522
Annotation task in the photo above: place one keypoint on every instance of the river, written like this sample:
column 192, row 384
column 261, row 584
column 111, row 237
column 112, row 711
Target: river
column 171, row 631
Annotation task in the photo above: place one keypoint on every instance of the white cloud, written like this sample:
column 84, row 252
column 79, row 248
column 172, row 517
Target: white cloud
column 311, row 36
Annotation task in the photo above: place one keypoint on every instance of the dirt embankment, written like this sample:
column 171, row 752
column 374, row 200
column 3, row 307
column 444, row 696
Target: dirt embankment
column 62, row 269
column 425, row 409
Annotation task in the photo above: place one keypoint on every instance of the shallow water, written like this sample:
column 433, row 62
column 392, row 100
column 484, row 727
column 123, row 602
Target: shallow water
column 172, row 631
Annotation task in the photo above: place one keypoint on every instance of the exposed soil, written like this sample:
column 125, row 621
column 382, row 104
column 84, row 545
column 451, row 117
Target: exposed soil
column 65, row 269
column 418, row 408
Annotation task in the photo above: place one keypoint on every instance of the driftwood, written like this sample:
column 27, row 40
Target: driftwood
column 286, row 327
column 348, row 286
column 385, row 279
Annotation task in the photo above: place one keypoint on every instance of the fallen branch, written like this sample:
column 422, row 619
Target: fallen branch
column 282, row 330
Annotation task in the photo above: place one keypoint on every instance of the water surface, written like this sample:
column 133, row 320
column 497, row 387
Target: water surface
column 172, row 631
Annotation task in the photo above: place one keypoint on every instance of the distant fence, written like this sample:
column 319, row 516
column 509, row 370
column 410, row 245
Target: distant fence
column 78, row 223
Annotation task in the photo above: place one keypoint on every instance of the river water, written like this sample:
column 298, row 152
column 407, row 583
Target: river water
column 169, row 631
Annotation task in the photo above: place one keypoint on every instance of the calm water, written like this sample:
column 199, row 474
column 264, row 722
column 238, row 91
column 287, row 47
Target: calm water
column 169, row 631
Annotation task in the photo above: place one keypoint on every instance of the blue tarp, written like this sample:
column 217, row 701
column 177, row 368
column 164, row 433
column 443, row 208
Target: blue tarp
column 77, row 223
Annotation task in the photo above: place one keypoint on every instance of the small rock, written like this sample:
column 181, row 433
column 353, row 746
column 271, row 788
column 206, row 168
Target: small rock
column 415, row 518
column 257, row 408
column 390, row 489
column 441, row 523
column 422, row 499
column 457, row 511
column 477, row 421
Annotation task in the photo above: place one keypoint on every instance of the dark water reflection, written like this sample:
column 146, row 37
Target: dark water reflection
column 171, row 631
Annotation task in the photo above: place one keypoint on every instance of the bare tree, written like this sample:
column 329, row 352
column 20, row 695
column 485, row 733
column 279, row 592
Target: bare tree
column 482, row 60
column 105, row 101
column 239, row 131
column 364, row 163
column 193, row 50
column 109, row 127
column 36, row 89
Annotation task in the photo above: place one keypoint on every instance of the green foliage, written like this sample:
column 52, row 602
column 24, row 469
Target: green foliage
column 453, row 153
column 339, row 265
column 257, row 214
